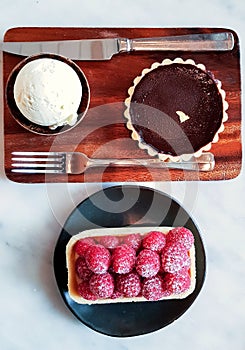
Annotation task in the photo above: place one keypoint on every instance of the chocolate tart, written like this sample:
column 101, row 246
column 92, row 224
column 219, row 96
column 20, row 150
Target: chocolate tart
column 176, row 109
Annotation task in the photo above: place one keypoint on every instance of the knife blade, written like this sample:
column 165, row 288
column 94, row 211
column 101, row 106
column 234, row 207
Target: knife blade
column 104, row 49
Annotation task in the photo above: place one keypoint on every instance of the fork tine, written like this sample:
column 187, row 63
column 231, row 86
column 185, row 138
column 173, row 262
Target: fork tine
column 32, row 159
column 37, row 165
column 56, row 154
column 37, row 171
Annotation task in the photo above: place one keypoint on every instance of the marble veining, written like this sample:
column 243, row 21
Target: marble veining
column 33, row 314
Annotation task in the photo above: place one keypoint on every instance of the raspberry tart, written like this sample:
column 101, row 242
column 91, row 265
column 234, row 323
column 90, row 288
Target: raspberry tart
column 107, row 266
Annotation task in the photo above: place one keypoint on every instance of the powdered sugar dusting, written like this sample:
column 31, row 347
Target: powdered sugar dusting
column 174, row 257
column 152, row 288
column 129, row 284
column 181, row 235
column 148, row 263
column 123, row 259
column 98, row 258
column 102, row 285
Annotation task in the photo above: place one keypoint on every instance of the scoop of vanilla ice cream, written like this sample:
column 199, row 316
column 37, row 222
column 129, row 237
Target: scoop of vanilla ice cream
column 48, row 92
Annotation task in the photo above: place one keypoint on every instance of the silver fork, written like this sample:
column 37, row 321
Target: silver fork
column 77, row 162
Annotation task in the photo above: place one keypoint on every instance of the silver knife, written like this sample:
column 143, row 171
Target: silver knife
column 104, row 49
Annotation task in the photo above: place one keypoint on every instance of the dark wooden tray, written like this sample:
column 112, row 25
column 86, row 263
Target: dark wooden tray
column 103, row 133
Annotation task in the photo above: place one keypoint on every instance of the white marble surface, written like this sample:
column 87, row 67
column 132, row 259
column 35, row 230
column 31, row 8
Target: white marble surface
column 33, row 315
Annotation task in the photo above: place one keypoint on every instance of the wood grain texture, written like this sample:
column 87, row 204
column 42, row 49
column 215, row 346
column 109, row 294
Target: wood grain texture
column 103, row 133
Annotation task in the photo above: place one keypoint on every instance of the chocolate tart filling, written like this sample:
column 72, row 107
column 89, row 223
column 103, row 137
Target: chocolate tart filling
column 176, row 109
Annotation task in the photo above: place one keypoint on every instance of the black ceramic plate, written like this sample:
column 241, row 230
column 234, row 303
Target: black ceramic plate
column 120, row 206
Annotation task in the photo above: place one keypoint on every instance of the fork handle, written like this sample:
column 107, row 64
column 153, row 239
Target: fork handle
column 205, row 162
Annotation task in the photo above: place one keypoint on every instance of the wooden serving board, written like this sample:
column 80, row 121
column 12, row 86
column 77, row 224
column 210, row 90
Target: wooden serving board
column 103, row 132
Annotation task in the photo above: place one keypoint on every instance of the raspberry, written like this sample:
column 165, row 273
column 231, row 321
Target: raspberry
column 82, row 269
column 176, row 283
column 174, row 257
column 152, row 288
column 184, row 271
column 133, row 240
column 129, row 284
column 110, row 242
column 147, row 263
column 85, row 292
column 102, row 286
column 98, row 258
column 182, row 236
column 123, row 259
column 82, row 245
column 116, row 294
column 154, row 240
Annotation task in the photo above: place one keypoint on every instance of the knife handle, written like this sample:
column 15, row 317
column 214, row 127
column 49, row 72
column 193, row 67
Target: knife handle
column 223, row 41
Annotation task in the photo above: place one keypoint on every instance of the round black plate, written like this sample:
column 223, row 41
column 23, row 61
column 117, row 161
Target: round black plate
column 119, row 206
